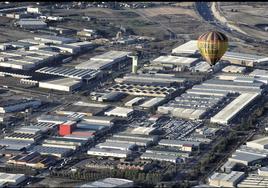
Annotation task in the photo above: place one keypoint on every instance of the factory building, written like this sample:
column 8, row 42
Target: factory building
column 26, row 60
column 52, row 119
column 226, row 180
column 120, row 112
column 263, row 171
column 201, row 66
column 134, row 102
column 109, row 182
column 160, row 157
column 23, row 136
column 254, row 180
column 188, row 48
column 192, row 106
column 62, row 142
column 108, row 96
column 261, row 143
column 8, row 179
column 115, row 146
column 61, row 84
column 33, row 160
column 87, row 109
column 143, row 130
column 12, row 105
column 103, row 120
column 259, row 73
column 181, row 144
column 54, row 39
column 227, row 114
column 143, row 90
column 14, row 144
column 244, row 59
column 84, row 45
column 169, row 152
column 31, row 23
column 67, row 128
column 249, row 156
column 153, row 103
column 109, row 152
column 138, row 142
column 54, row 151
column 174, row 62
column 108, row 61
column 144, row 136
column 70, row 72
column 152, row 79
column 234, row 69
column 65, row 48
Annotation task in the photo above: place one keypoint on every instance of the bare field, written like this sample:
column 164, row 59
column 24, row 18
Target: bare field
column 248, row 13
column 151, row 12
column 150, row 21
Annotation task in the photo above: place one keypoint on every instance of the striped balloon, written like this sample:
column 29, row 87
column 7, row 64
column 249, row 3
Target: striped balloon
column 212, row 45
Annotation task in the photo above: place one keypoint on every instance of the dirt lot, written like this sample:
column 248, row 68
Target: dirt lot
column 7, row 33
column 150, row 21
column 247, row 15
column 151, row 12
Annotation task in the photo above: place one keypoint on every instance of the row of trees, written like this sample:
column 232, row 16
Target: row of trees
column 18, row 169
column 150, row 178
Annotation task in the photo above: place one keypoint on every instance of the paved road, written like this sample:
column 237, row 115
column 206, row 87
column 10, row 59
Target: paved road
column 204, row 11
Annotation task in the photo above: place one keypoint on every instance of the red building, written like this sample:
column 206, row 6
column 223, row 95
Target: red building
column 67, row 128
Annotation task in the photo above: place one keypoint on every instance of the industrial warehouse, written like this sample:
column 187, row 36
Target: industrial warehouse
column 133, row 94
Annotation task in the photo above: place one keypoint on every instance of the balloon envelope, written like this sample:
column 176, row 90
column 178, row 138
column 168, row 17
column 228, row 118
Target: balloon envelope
column 212, row 46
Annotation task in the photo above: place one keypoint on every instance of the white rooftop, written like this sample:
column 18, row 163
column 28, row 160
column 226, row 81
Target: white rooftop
column 189, row 47
column 63, row 82
column 175, row 60
column 227, row 113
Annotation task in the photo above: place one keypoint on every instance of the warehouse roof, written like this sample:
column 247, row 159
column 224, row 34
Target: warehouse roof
column 7, row 177
column 231, row 177
column 155, row 156
column 103, row 61
column 143, row 130
column 178, row 142
column 261, row 141
column 108, row 151
column 52, row 119
column 254, row 180
column 111, row 55
column 55, row 38
column 114, row 144
column 189, row 47
column 50, row 150
column 62, row 81
column 133, row 101
column 109, row 182
column 31, row 21
column 259, row 73
column 119, row 111
column 94, row 64
column 233, row 68
column 15, row 144
column 152, row 102
column 11, row 102
column 202, row 66
column 241, row 156
column 243, row 56
column 229, row 111
column 69, row 72
column 151, row 78
column 187, row 61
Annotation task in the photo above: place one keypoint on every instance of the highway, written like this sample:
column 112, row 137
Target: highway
column 204, row 11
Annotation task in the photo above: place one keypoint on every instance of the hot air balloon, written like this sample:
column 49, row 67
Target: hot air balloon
column 212, row 45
